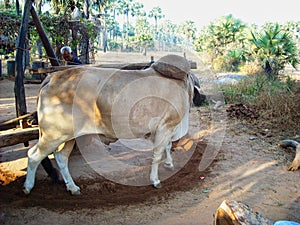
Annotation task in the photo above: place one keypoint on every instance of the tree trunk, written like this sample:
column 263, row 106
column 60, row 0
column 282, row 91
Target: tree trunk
column 237, row 213
column 74, row 30
column 18, row 7
column 268, row 70
column 86, row 9
column 6, row 4
column 85, row 46
column 104, row 39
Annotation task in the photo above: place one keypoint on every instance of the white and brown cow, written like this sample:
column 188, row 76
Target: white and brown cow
column 114, row 104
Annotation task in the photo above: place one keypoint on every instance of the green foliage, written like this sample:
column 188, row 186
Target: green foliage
column 245, row 91
column 224, row 38
column 10, row 23
column 221, row 63
column 219, row 34
column 237, row 56
column 250, row 89
column 57, row 28
column 114, row 45
column 230, row 40
column 276, row 101
column 274, row 48
column 145, row 40
column 57, row 22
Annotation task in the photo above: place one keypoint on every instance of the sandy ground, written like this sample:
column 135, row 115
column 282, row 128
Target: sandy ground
column 236, row 163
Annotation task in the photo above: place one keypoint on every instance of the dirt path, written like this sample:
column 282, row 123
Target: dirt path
column 248, row 167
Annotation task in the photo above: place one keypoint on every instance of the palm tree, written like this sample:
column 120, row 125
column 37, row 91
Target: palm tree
column 274, row 48
column 189, row 30
column 125, row 8
column 137, row 9
column 167, row 33
column 114, row 10
column 157, row 14
column 226, row 32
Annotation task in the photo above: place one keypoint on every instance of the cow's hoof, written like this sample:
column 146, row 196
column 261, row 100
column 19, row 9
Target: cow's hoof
column 73, row 189
column 169, row 166
column 157, row 184
column 75, row 192
column 26, row 191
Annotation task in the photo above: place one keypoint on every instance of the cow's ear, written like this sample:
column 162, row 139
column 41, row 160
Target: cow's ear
column 172, row 66
column 198, row 98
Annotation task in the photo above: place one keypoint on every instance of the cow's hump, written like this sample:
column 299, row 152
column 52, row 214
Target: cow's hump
column 173, row 66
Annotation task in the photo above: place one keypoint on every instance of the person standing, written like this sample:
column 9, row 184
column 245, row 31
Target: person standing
column 68, row 55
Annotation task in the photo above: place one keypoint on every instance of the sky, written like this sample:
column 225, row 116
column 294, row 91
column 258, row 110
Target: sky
column 204, row 12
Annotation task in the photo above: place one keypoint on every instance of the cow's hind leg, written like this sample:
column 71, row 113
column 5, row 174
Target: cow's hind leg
column 169, row 161
column 161, row 141
column 62, row 159
column 35, row 155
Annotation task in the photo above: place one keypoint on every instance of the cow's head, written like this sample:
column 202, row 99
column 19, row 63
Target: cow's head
column 178, row 67
column 198, row 98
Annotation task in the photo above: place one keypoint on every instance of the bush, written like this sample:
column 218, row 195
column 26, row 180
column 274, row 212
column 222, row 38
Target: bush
column 277, row 101
column 251, row 68
column 114, row 45
column 221, row 64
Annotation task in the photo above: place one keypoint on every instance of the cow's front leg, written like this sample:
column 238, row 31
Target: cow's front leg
column 169, row 161
column 62, row 157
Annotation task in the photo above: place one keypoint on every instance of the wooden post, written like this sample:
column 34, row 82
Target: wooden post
column 19, row 80
column 20, row 67
column 0, row 68
column 50, row 53
column 152, row 59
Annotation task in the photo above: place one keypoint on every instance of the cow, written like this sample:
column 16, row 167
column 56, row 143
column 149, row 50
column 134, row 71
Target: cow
column 115, row 104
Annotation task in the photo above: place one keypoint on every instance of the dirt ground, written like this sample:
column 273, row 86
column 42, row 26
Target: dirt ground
column 228, row 160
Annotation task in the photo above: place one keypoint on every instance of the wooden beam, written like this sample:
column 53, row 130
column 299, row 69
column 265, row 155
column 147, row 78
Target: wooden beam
column 193, row 64
column 9, row 124
column 18, row 135
column 123, row 66
column 51, row 69
column 50, row 53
